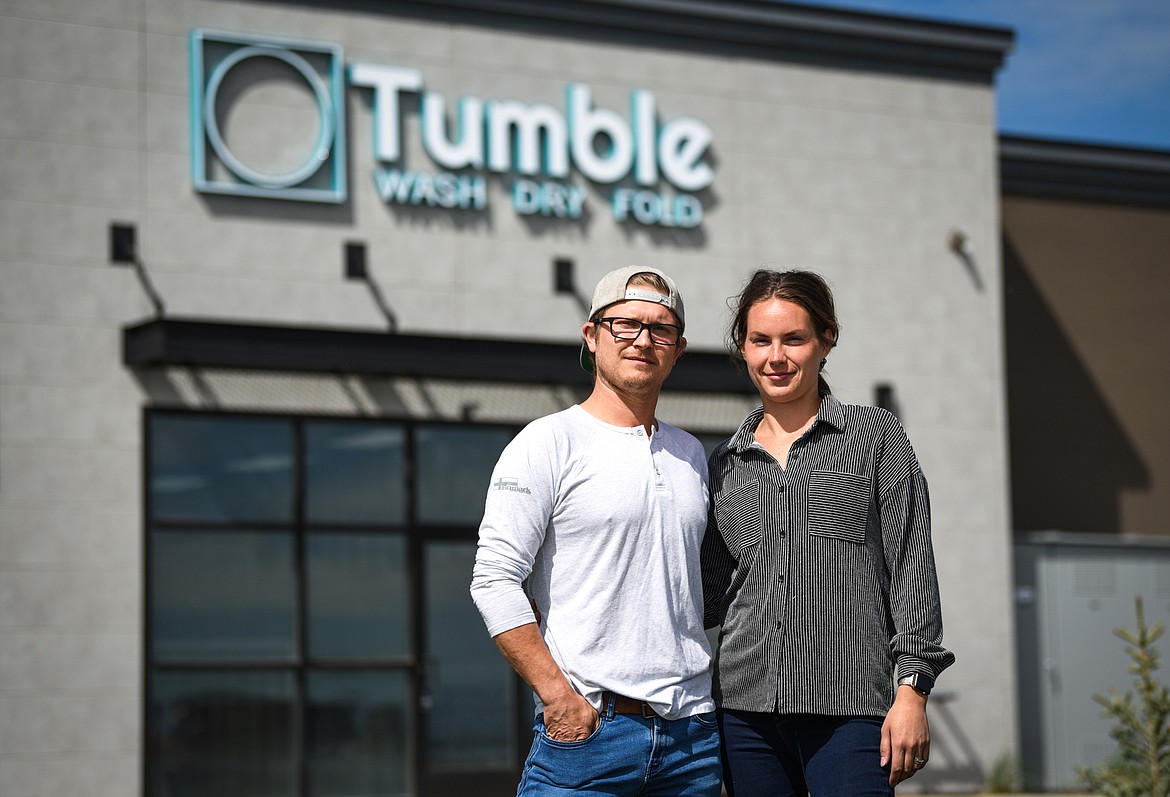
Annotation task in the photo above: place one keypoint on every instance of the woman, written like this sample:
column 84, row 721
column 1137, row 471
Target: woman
column 818, row 566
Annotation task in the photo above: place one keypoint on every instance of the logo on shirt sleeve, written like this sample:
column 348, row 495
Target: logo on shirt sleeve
column 510, row 484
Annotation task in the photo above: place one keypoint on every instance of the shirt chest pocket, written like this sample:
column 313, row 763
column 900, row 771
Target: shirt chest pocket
column 838, row 505
column 738, row 514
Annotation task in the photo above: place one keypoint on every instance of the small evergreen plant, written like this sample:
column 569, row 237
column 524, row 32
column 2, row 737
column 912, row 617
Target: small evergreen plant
column 1004, row 777
column 1141, row 726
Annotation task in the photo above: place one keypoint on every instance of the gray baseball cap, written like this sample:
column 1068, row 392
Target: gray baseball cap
column 613, row 288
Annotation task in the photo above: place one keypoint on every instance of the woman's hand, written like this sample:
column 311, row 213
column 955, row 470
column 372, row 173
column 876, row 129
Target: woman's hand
column 905, row 735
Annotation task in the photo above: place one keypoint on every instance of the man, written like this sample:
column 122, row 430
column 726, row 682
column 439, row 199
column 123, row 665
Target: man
column 602, row 509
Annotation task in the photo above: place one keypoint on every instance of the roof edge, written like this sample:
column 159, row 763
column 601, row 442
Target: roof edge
column 1082, row 171
column 767, row 29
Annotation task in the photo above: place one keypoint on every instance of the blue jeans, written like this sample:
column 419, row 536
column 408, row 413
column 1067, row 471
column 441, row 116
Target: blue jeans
column 628, row 755
column 790, row 755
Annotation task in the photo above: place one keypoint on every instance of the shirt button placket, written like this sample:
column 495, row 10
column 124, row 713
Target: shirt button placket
column 782, row 534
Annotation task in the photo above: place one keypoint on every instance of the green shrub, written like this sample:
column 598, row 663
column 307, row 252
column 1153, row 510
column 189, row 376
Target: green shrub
column 1141, row 728
column 1004, row 777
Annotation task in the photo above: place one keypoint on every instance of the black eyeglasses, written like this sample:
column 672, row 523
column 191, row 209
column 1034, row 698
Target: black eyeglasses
column 631, row 328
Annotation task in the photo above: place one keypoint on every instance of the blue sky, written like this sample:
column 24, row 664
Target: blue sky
column 1092, row 71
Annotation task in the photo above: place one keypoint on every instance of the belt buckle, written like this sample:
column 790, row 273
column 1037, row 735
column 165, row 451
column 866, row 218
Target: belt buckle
column 647, row 712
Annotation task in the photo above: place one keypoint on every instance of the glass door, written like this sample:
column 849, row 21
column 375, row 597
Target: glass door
column 474, row 709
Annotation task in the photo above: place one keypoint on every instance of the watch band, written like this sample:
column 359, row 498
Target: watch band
column 919, row 682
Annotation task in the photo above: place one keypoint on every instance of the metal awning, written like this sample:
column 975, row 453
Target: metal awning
column 216, row 344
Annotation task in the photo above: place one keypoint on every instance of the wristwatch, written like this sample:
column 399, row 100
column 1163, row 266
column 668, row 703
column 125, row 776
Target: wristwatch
column 919, row 682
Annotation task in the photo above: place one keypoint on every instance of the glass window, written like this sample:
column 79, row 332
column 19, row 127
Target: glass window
column 454, row 467
column 358, row 597
column 287, row 565
column 221, row 469
column 227, row 733
column 355, row 473
column 472, row 688
column 222, row 595
column 359, row 740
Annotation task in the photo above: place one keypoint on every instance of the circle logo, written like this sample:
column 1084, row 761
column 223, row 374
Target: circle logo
column 327, row 130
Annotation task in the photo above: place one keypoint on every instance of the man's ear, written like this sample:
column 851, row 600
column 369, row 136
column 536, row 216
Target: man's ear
column 589, row 336
column 680, row 348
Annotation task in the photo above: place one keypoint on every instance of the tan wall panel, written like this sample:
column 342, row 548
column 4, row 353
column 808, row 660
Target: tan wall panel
column 1087, row 294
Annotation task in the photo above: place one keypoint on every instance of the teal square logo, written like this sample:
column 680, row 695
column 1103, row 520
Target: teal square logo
column 267, row 117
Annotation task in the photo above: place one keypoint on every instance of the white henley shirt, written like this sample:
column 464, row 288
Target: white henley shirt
column 605, row 524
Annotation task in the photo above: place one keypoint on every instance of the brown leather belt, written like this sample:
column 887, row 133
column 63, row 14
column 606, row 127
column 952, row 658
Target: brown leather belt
column 627, row 705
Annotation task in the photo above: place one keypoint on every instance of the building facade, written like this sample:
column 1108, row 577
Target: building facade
column 280, row 279
column 1086, row 237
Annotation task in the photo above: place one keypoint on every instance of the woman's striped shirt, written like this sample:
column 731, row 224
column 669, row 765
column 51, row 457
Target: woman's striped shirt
column 821, row 573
